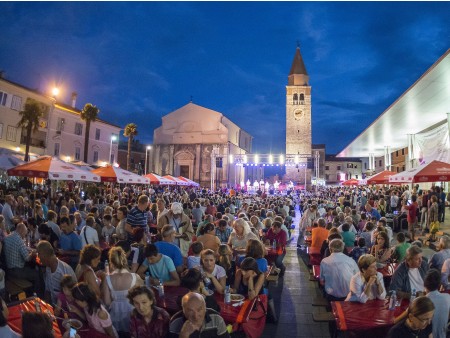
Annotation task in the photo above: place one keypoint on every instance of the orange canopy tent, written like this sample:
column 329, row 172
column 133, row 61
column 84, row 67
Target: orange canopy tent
column 191, row 182
column 381, row 178
column 352, row 181
column 115, row 174
column 156, row 179
column 176, row 180
column 435, row 171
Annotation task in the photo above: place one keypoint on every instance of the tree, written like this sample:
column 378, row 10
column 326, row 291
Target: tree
column 29, row 120
column 130, row 131
column 88, row 114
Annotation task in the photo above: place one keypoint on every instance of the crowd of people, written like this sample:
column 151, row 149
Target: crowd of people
column 98, row 259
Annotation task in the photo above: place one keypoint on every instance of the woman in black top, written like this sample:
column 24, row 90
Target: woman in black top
column 415, row 322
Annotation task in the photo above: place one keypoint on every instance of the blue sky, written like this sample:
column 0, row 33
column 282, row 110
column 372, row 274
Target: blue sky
column 138, row 61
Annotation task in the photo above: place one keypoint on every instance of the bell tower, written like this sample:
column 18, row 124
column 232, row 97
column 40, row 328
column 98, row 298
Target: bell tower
column 298, row 120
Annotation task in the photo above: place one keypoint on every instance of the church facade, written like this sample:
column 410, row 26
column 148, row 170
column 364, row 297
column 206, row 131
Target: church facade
column 200, row 144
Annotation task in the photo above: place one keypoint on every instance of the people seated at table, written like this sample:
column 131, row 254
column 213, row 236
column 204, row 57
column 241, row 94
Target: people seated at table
column 249, row 280
column 167, row 247
column 47, row 234
column 371, row 211
column 134, row 254
column 366, row 284
column 193, row 281
column 359, row 250
column 348, row 237
column 94, row 312
column 336, row 271
column 440, row 300
column 89, row 260
column 208, row 238
column 399, row 251
column 36, row 325
column 409, row 274
column 65, row 300
column 5, row 330
column 319, row 234
column 55, row 269
column 381, row 250
column 107, row 230
column 416, row 323
column 332, row 234
column 115, row 286
column 20, row 259
column 160, row 267
column 437, row 259
column 276, row 234
column 225, row 260
column 445, row 274
column 69, row 242
column 196, row 317
column 212, row 271
column 146, row 320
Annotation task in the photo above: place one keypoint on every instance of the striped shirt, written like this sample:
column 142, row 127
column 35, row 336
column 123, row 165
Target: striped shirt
column 213, row 326
column 137, row 218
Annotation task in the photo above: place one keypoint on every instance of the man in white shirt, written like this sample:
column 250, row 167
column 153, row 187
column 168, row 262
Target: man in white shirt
column 336, row 271
column 52, row 216
column 88, row 234
column 8, row 213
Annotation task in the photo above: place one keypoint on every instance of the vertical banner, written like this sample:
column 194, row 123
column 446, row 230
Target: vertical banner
column 432, row 145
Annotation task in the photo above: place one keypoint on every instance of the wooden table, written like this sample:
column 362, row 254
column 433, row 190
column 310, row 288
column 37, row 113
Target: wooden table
column 28, row 305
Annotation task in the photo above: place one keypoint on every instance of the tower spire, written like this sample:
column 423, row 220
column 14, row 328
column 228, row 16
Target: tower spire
column 298, row 76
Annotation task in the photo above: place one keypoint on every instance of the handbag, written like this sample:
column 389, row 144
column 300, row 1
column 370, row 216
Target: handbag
column 434, row 227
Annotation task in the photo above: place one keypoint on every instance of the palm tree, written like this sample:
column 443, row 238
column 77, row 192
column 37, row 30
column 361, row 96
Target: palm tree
column 130, row 131
column 88, row 114
column 29, row 120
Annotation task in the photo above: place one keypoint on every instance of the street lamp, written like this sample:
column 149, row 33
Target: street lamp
column 55, row 92
column 113, row 138
column 146, row 155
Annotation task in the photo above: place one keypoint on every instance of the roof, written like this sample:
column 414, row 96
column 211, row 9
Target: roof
column 298, row 67
column 423, row 105
column 333, row 158
column 77, row 111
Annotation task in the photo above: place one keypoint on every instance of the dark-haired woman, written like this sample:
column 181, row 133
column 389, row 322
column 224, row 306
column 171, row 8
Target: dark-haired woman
column 249, row 280
column 416, row 321
column 89, row 260
column 208, row 238
column 94, row 312
column 147, row 320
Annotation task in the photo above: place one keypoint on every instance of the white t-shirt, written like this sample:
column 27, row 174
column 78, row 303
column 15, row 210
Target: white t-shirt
column 90, row 234
column 415, row 279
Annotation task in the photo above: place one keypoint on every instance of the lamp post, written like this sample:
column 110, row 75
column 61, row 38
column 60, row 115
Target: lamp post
column 113, row 138
column 146, row 155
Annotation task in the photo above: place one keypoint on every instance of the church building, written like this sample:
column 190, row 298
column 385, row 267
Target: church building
column 200, row 144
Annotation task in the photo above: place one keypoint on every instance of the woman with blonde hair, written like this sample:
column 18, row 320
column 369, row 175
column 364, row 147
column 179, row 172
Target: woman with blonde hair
column 115, row 288
column 240, row 235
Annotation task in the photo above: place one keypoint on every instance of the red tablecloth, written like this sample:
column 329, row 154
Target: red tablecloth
column 27, row 305
column 372, row 319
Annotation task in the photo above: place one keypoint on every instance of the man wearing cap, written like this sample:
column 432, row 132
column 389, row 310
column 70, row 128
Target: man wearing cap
column 182, row 225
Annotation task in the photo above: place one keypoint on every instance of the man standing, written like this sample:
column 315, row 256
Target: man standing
column 137, row 217
column 8, row 213
column 195, row 319
column 88, row 234
column 161, row 205
column 336, row 271
column 55, row 270
column 52, row 217
column 69, row 242
column 182, row 225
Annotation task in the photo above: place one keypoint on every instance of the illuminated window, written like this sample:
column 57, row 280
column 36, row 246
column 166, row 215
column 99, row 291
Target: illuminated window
column 16, row 103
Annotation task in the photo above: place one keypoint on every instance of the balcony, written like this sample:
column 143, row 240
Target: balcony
column 38, row 143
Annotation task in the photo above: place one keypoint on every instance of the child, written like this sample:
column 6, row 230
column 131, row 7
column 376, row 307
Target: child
column 108, row 229
column 65, row 302
column 400, row 248
column 194, row 260
column 359, row 250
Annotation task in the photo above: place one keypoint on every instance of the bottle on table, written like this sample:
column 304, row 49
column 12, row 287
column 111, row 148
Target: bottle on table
column 107, row 267
column 274, row 244
column 161, row 288
column 227, row 299
column 147, row 279
column 393, row 300
column 413, row 296
column 107, row 239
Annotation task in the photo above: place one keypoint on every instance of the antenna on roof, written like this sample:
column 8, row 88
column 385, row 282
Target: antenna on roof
column 298, row 44
column 191, row 99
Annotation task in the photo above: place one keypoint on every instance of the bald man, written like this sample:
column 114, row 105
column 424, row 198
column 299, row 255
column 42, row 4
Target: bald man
column 195, row 318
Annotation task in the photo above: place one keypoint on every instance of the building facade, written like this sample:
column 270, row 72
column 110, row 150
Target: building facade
column 338, row 169
column 298, row 119
column 61, row 131
column 200, row 144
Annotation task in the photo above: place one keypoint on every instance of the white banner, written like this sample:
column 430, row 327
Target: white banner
column 432, row 145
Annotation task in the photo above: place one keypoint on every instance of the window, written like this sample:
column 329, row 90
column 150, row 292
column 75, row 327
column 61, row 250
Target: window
column 356, row 176
column 56, row 152
column 398, row 169
column 396, row 153
column 380, row 163
column 60, row 125
column 327, row 177
column 16, row 103
column 338, row 167
column 78, row 129
column 97, row 134
column 403, row 151
column 403, row 168
column 327, row 167
column 11, row 133
column 96, row 155
column 338, row 177
column 349, row 165
column 356, row 166
column 77, row 153
column 3, row 97
column 295, row 98
column 302, row 98
column 1, row 130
